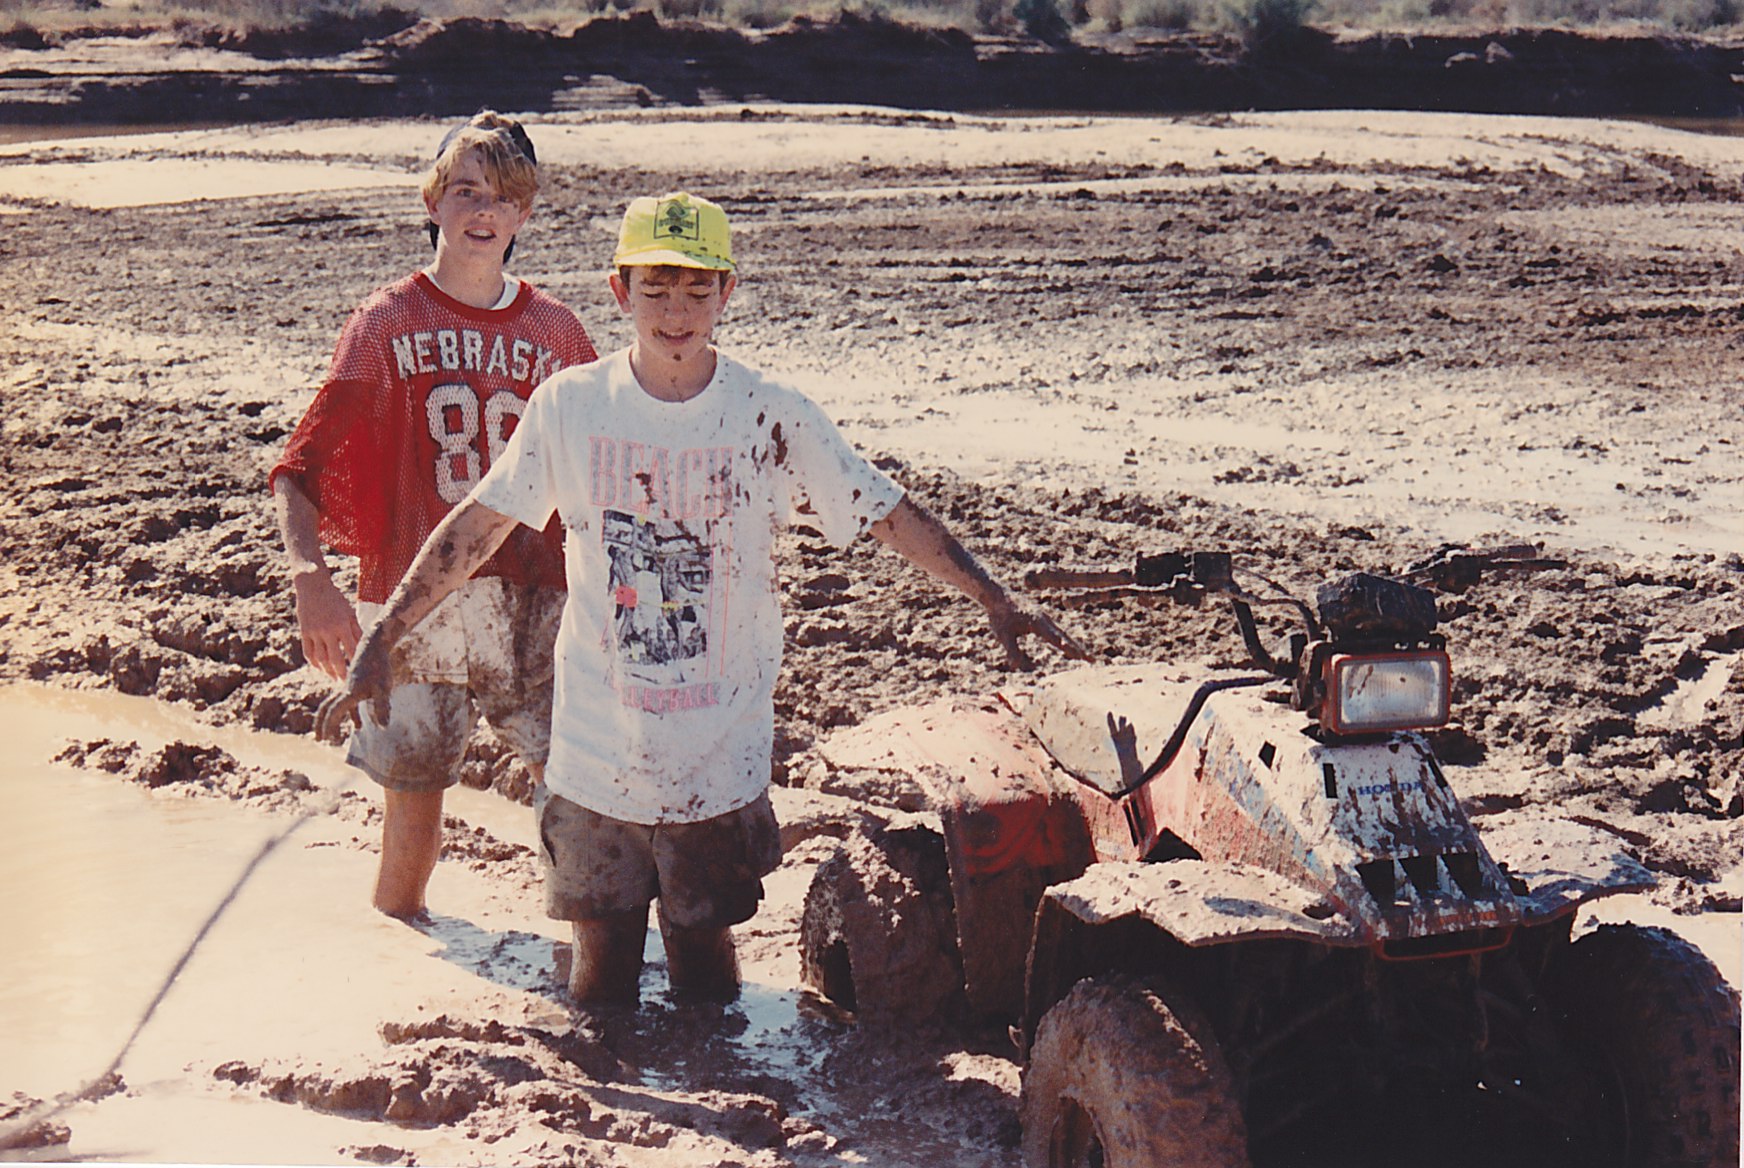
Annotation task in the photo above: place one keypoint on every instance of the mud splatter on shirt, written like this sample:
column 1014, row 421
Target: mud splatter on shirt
column 672, row 634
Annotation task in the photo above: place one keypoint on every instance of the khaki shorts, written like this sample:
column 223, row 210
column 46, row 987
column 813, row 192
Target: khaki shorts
column 486, row 648
column 706, row 875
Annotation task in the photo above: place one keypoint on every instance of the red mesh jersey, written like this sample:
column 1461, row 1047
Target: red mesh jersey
column 423, row 394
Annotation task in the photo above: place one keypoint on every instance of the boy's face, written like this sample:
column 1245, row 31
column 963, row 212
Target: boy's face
column 473, row 217
column 674, row 310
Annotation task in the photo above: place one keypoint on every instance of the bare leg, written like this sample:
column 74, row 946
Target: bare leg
column 700, row 963
column 606, row 963
column 411, row 842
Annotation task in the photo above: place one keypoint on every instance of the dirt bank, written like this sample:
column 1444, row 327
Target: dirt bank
column 1322, row 363
column 376, row 68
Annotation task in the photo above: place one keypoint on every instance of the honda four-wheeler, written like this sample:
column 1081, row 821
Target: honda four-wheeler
column 1240, row 917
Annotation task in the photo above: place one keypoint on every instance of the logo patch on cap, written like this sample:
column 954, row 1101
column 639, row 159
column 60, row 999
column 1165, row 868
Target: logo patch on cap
column 674, row 219
column 676, row 228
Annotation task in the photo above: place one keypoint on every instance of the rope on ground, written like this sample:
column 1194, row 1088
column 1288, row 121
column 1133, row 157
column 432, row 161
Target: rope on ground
column 23, row 1132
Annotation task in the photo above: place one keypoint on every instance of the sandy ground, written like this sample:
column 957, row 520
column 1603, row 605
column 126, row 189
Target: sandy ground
column 1322, row 341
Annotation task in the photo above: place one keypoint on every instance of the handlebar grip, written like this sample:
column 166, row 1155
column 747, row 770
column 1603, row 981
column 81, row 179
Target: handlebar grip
column 1078, row 577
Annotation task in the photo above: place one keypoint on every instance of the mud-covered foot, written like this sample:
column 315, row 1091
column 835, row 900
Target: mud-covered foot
column 605, row 959
column 702, row 965
column 602, row 1040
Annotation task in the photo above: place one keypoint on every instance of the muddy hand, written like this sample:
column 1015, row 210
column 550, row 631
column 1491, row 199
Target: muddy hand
column 368, row 680
column 1012, row 624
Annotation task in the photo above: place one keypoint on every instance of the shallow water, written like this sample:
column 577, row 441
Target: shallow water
column 109, row 882
column 69, row 132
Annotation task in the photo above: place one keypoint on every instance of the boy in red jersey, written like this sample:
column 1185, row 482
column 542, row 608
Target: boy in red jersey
column 430, row 376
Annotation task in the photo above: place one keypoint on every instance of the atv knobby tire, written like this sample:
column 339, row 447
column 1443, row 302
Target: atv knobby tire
column 878, row 936
column 1657, row 1011
column 1123, row 1076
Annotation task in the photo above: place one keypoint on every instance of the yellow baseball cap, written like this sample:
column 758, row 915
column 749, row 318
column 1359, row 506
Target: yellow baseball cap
column 682, row 230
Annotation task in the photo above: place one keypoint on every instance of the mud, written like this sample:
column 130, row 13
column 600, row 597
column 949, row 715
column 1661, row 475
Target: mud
column 1391, row 319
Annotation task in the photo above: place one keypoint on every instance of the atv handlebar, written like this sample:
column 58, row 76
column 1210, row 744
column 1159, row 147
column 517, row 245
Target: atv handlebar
column 1454, row 569
column 1178, row 578
column 1186, row 578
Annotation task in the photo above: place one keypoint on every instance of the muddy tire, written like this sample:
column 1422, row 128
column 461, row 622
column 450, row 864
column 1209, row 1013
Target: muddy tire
column 1657, row 1012
column 877, row 936
column 1119, row 1076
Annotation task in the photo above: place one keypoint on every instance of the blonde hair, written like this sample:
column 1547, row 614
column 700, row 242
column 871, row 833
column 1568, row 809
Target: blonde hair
column 506, row 153
column 503, row 148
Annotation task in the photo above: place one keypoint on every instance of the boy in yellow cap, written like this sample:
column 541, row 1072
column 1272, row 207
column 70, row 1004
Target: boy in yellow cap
column 672, row 467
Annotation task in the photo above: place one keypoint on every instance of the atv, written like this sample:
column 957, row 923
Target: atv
column 1239, row 916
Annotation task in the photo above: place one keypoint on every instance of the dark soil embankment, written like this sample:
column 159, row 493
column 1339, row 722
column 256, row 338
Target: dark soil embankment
column 452, row 67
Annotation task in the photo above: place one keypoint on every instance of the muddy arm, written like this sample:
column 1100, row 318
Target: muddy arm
column 461, row 543
column 914, row 533
column 325, row 619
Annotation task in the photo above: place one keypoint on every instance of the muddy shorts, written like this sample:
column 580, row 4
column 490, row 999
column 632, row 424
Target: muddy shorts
column 706, row 875
column 485, row 649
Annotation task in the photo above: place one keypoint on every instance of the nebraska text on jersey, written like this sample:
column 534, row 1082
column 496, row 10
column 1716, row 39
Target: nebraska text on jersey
column 671, row 637
column 465, row 351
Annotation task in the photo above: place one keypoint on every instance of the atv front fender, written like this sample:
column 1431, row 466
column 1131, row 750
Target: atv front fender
column 1091, row 923
column 1555, row 866
column 1201, row 903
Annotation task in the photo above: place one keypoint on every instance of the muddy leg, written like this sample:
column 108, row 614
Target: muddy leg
column 700, row 963
column 606, row 963
column 411, row 842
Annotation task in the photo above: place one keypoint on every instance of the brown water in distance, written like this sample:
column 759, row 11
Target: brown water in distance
column 11, row 134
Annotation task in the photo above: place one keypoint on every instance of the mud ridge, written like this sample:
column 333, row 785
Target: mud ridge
column 446, row 67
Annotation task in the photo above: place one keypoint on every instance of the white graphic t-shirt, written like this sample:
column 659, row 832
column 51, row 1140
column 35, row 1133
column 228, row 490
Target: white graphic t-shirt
column 671, row 636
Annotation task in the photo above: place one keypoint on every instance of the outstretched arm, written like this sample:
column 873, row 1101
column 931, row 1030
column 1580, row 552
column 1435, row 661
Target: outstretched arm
column 914, row 533
column 459, row 546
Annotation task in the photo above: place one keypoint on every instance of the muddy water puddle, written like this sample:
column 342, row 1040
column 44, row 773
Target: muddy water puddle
column 72, row 132
column 110, row 882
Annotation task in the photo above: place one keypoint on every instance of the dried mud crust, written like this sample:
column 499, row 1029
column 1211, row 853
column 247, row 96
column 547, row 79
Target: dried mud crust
column 140, row 553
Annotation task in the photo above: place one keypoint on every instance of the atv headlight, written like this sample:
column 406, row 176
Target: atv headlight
column 1389, row 691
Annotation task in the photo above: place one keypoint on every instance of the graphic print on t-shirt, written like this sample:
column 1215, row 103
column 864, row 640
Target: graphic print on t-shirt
column 660, row 580
column 664, row 529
